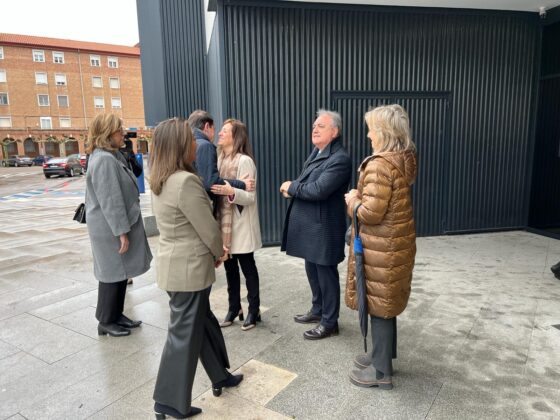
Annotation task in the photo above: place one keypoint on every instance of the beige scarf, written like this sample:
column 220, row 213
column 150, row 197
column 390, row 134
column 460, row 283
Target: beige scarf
column 228, row 170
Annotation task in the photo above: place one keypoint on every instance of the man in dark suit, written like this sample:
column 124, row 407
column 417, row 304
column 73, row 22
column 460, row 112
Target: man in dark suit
column 315, row 222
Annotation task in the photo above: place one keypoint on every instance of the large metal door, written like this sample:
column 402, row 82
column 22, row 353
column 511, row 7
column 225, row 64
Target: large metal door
column 428, row 114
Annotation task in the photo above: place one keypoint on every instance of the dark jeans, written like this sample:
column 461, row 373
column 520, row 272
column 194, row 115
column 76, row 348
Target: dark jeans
column 110, row 301
column 193, row 332
column 249, row 268
column 325, row 287
column 384, row 337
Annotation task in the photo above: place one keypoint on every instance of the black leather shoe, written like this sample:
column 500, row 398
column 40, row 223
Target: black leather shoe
column 230, row 317
column 307, row 318
column 162, row 411
column 126, row 322
column 556, row 270
column 320, row 332
column 113, row 330
column 251, row 321
column 230, row 381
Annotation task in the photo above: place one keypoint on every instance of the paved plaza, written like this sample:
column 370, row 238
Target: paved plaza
column 477, row 341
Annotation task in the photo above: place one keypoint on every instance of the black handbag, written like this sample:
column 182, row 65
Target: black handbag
column 80, row 213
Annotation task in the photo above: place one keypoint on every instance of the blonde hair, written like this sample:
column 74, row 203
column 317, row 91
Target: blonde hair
column 171, row 144
column 392, row 127
column 101, row 129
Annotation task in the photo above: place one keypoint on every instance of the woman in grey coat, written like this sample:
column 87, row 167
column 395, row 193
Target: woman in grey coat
column 116, row 230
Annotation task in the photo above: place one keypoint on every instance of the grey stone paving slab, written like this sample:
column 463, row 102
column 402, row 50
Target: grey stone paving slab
column 120, row 410
column 18, row 365
column 42, row 339
column 66, row 306
column 7, row 349
column 94, row 393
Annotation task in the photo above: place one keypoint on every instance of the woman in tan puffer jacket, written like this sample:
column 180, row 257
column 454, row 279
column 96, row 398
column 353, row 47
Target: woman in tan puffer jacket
column 388, row 235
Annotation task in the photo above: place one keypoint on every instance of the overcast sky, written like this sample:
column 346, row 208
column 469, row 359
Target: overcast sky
column 106, row 21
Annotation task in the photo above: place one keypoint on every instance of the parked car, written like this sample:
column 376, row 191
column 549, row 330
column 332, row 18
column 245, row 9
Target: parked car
column 68, row 166
column 18, row 160
column 40, row 159
column 83, row 162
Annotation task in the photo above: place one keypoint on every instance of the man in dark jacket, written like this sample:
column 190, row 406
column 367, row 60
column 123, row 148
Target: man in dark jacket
column 206, row 163
column 315, row 222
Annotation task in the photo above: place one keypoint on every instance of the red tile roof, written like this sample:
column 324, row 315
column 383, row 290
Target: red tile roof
column 66, row 44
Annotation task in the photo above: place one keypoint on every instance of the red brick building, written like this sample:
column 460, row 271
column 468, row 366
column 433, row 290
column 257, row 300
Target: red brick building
column 50, row 89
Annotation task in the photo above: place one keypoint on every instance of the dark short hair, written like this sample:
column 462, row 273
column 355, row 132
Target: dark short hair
column 199, row 118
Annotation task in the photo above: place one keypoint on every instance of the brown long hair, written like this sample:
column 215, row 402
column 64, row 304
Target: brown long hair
column 101, row 129
column 171, row 144
column 240, row 138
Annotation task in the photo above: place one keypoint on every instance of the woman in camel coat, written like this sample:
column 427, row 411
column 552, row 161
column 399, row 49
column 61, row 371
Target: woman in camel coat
column 384, row 202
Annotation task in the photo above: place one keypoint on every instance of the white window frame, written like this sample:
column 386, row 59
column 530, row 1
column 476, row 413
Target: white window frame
column 93, row 78
column 1, row 53
column 6, row 118
column 93, row 59
column 36, row 54
column 113, row 62
column 56, row 55
column 44, row 120
column 7, row 98
column 97, row 99
column 39, row 99
column 118, row 82
column 60, row 119
column 116, row 98
column 62, row 82
column 67, row 101
column 37, row 82
column 4, row 78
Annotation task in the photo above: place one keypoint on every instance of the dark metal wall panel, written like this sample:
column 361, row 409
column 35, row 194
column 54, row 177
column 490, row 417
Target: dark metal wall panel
column 151, row 58
column 174, row 67
column 545, row 198
column 283, row 63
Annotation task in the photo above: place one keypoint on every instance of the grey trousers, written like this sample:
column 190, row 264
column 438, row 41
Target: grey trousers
column 193, row 332
column 384, row 337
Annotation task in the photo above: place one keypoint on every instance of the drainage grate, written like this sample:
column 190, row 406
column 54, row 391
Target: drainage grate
column 557, row 326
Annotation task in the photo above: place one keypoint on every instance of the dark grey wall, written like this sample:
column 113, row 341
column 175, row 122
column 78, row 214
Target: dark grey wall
column 467, row 78
column 174, row 66
column 545, row 199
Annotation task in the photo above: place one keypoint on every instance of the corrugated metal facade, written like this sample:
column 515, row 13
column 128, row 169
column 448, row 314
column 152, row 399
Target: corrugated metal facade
column 545, row 200
column 468, row 80
column 173, row 56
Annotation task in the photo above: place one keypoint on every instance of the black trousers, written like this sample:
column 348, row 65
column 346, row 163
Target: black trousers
column 384, row 337
column 249, row 268
column 193, row 332
column 110, row 301
column 325, row 288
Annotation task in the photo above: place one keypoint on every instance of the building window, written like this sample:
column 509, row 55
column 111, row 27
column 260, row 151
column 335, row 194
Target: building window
column 63, row 101
column 115, row 102
column 1, row 53
column 99, row 102
column 43, row 100
column 97, row 81
column 39, row 56
column 113, row 62
column 65, row 122
column 46, row 123
column 4, row 98
column 95, row 60
column 2, row 76
column 114, row 83
column 58, row 57
column 41, row 78
column 60, row 79
column 5, row 122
